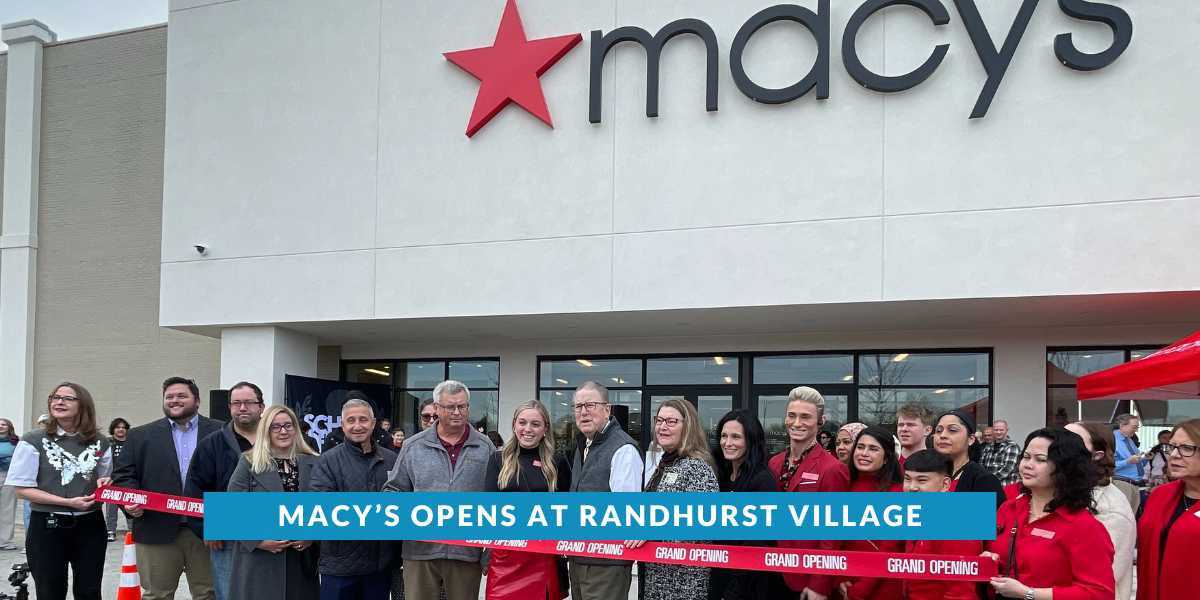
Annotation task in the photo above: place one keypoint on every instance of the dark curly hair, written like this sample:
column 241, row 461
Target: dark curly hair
column 1075, row 474
column 890, row 473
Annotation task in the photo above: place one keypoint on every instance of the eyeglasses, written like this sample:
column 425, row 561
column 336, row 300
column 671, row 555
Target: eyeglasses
column 1185, row 450
column 275, row 427
column 243, row 403
column 56, row 397
column 428, row 417
column 588, row 406
column 671, row 421
column 455, row 408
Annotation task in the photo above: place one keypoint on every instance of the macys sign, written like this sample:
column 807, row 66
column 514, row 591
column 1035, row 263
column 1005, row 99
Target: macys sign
column 509, row 69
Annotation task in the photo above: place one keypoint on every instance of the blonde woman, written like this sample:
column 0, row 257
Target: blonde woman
column 280, row 461
column 526, row 463
column 685, row 466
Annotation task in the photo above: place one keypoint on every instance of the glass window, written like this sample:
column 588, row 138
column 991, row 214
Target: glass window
column 1063, row 368
column 804, row 369
column 562, row 414
column 878, row 406
column 932, row 369
column 572, row 373
column 485, row 409
column 700, row 370
column 372, row 372
column 423, row 374
column 476, row 373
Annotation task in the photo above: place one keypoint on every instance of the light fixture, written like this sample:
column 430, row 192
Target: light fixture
column 848, row 377
column 478, row 366
column 971, row 378
column 557, row 393
column 1087, row 355
column 720, row 360
column 616, row 379
column 619, row 380
column 728, row 379
column 903, row 356
column 562, row 381
column 584, row 362
column 377, row 372
column 941, row 391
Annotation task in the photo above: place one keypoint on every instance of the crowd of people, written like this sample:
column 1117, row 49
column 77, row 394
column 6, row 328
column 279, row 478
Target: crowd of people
column 1071, row 515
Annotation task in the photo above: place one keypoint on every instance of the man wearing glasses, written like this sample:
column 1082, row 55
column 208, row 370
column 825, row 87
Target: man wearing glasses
column 606, row 460
column 448, row 457
column 214, row 461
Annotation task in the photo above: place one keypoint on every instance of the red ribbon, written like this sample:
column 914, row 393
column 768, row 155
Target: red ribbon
column 759, row 558
column 178, row 505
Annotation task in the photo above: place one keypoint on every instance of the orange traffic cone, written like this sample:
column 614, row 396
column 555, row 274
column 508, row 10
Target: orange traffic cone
column 131, row 584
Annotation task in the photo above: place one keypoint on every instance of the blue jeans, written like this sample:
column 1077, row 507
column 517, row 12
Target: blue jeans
column 375, row 586
column 222, row 570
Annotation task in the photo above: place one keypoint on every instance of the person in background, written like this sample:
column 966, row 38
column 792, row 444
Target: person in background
column 494, row 437
column 845, row 440
column 1130, row 474
column 928, row 471
column 385, row 424
column 606, row 460
column 57, row 470
column 1112, row 510
column 1000, row 454
column 397, row 439
column 914, row 423
column 874, row 467
column 421, row 467
column 805, row 467
column 527, row 463
column 686, row 466
column 428, row 413
column 826, row 440
column 1157, row 460
column 118, row 430
column 953, row 437
column 1169, row 530
column 1049, row 546
column 216, row 457
column 280, row 461
column 986, row 434
column 156, row 458
column 8, row 494
column 354, row 570
column 740, row 457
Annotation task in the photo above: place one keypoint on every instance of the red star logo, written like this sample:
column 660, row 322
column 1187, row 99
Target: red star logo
column 508, row 70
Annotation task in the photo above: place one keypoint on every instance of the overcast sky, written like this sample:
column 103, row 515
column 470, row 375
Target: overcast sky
column 79, row 18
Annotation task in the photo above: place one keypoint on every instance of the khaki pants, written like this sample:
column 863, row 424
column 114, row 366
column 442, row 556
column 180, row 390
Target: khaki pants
column 423, row 578
column 1132, row 493
column 600, row 582
column 8, row 511
column 160, row 565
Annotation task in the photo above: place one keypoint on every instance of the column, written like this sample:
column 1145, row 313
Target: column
column 18, row 239
column 264, row 355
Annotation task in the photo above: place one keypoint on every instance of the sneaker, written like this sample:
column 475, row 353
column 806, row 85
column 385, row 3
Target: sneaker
column 112, row 536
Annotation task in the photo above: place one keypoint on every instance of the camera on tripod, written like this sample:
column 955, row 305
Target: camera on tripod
column 20, row 572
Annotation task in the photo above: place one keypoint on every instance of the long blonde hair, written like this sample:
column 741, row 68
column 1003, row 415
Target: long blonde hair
column 509, row 461
column 260, row 456
column 693, row 443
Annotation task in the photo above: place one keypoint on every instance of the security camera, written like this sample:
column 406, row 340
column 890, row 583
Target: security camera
column 201, row 249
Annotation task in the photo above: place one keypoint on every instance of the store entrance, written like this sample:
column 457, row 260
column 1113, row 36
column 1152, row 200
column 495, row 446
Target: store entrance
column 710, row 401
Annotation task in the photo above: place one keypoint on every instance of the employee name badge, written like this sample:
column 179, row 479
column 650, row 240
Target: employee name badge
column 1038, row 531
column 537, row 463
column 809, row 477
column 670, row 478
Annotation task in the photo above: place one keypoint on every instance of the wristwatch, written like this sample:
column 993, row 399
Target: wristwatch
column 1028, row 594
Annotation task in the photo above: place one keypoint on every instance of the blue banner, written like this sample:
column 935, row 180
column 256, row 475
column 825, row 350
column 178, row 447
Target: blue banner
column 600, row 516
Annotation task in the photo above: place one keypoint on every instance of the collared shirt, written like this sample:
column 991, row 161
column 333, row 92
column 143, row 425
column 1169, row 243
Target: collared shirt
column 1000, row 459
column 454, row 449
column 185, row 438
column 1125, row 449
column 626, row 470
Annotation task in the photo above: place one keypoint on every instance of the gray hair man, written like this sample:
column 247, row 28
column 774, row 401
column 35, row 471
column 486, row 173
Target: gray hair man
column 606, row 460
column 359, row 569
column 448, row 457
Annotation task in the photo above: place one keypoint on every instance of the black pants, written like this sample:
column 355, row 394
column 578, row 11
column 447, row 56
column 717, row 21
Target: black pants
column 76, row 541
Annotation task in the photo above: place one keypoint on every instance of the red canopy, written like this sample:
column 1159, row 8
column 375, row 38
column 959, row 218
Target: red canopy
column 1172, row 373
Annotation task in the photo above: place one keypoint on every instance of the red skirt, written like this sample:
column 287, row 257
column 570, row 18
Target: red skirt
column 522, row 576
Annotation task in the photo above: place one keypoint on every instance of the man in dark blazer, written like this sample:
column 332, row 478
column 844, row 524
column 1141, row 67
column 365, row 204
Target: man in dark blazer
column 156, row 459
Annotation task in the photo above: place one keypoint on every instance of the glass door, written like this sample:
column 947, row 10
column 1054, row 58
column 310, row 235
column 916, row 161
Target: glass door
column 711, row 402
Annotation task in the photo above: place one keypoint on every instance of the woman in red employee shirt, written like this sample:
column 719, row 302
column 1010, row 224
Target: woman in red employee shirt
column 1169, row 530
column 874, row 467
column 1049, row 544
column 806, row 467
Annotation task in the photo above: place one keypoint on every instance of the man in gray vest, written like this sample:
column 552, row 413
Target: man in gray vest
column 606, row 460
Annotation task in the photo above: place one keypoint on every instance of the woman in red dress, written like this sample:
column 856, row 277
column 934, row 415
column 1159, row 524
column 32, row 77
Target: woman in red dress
column 1169, row 530
column 874, row 467
column 1049, row 544
column 526, row 463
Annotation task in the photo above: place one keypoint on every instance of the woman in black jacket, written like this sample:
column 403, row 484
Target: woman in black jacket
column 953, row 437
column 741, row 459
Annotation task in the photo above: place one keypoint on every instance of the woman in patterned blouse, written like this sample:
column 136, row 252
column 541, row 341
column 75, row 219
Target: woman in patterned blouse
column 686, row 466
column 281, row 461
